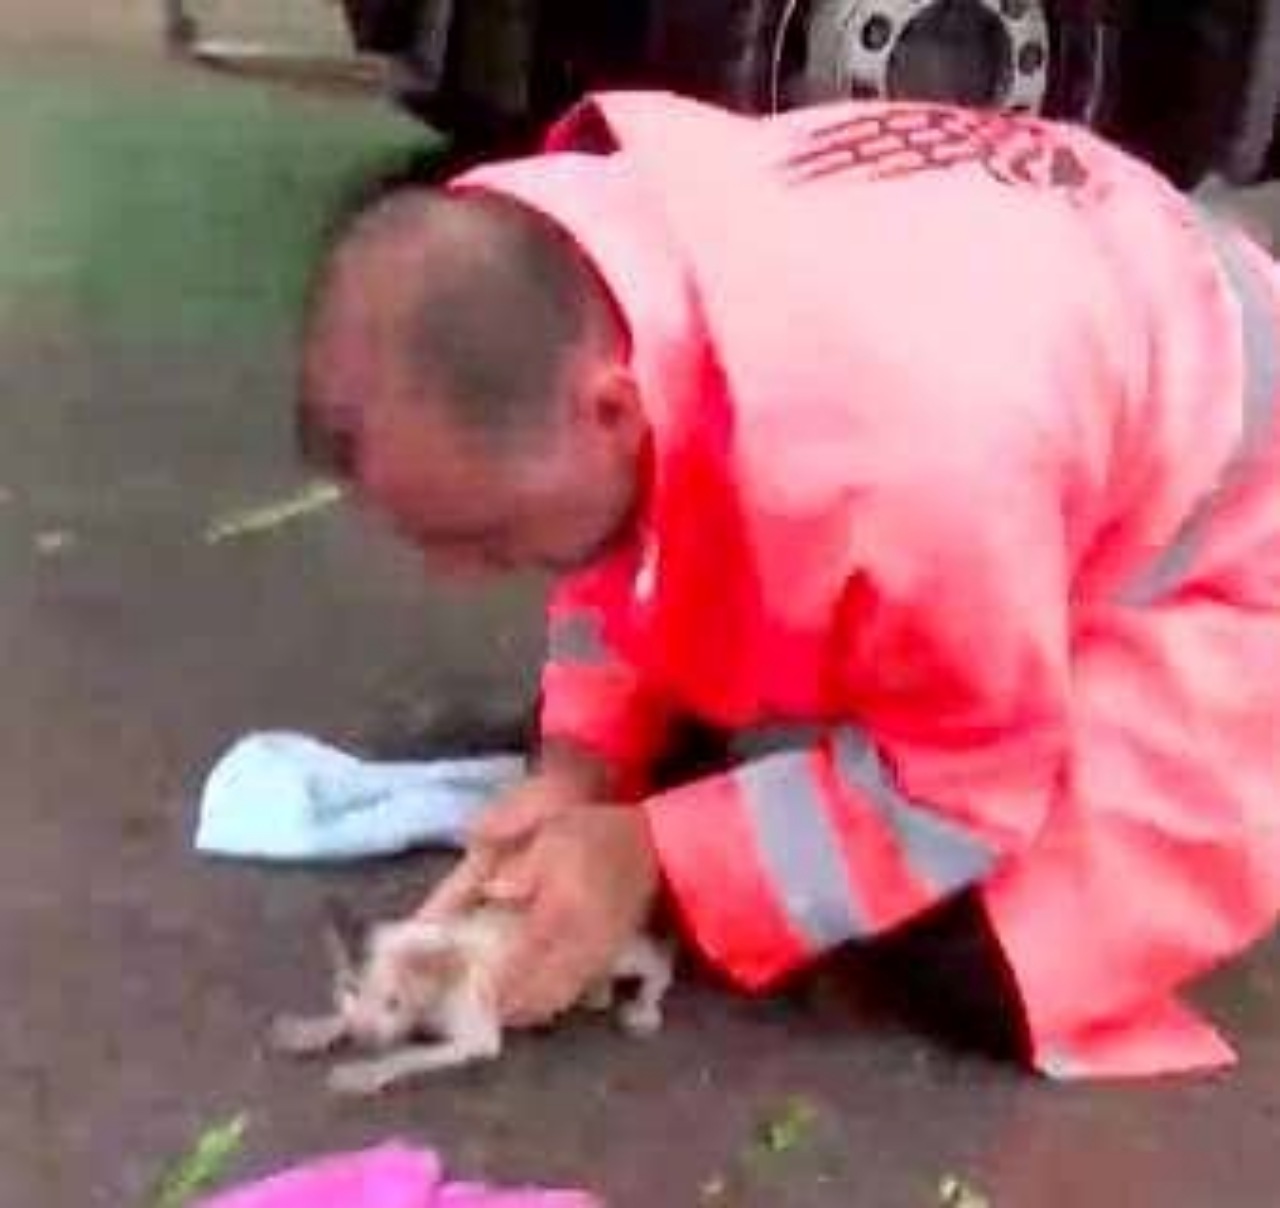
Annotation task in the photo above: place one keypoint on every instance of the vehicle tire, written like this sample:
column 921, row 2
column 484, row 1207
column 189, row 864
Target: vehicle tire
column 1201, row 87
column 1043, row 56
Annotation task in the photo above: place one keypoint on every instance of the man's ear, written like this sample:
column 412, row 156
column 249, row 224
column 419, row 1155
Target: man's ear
column 609, row 401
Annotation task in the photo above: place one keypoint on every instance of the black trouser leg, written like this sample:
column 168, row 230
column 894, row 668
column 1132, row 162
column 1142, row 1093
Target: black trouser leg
column 944, row 971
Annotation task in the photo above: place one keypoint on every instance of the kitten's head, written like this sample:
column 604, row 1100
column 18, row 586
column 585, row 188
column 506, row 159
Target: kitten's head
column 396, row 988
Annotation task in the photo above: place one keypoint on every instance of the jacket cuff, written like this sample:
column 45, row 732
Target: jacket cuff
column 600, row 712
column 713, row 873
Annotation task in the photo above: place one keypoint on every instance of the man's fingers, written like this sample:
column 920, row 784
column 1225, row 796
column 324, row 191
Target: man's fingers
column 535, row 940
column 551, row 981
column 529, row 992
column 515, row 880
column 515, row 819
column 546, row 970
column 518, row 978
column 461, row 889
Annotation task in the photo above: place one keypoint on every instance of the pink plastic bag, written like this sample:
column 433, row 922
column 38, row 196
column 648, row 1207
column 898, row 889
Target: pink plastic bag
column 390, row 1176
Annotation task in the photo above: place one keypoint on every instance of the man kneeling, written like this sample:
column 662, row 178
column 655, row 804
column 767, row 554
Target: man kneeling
column 927, row 454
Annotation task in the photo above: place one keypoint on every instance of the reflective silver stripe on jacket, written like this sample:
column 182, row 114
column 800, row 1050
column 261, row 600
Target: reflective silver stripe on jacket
column 1059, row 1065
column 1258, row 322
column 577, row 639
column 801, row 848
column 940, row 853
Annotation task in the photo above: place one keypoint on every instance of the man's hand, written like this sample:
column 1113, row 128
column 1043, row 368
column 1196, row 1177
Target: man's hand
column 565, row 778
column 586, row 882
column 506, row 825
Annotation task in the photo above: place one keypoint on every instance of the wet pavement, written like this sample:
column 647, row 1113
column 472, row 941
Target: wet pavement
column 151, row 235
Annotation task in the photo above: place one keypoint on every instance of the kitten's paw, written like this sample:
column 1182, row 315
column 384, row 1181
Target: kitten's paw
column 358, row 1079
column 641, row 1020
column 299, row 1037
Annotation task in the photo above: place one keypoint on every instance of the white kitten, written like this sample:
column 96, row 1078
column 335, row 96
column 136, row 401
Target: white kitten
column 437, row 978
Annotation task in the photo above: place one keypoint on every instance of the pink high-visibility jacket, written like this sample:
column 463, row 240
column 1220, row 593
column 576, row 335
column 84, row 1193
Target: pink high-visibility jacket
column 966, row 512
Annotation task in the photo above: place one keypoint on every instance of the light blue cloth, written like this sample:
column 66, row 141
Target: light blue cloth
column 283, row 796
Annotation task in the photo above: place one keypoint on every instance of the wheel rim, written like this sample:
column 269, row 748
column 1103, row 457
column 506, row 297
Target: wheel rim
column 900, row 48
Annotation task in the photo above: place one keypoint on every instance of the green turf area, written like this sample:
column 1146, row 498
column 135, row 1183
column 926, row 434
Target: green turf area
column 154, row 201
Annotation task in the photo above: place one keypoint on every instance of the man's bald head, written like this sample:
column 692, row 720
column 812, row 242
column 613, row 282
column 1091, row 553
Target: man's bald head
column 464, row 366
column 483, row 302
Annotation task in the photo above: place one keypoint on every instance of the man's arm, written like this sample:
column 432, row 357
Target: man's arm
column 952, row 653
column 599, row 729
column 600, row 722
column 569, row 763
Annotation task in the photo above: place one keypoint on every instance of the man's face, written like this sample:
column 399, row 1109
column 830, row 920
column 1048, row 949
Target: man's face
column 472, row 506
